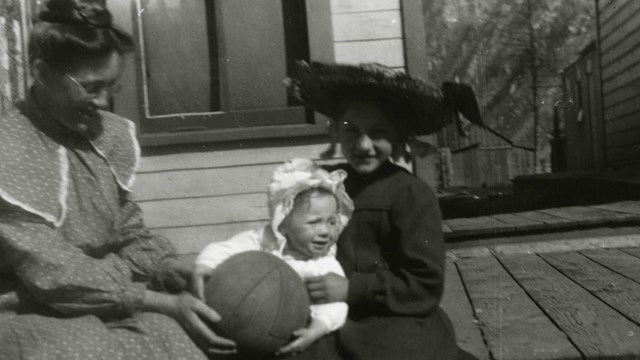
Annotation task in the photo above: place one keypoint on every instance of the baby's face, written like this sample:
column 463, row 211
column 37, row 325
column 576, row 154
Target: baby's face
column 311, row 228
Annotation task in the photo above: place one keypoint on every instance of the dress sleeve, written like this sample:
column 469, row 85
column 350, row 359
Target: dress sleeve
column 142, row 251
column 413, row 282
column 217, row 252
column 61, row 275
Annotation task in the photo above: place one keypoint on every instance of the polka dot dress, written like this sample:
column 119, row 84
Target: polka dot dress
column 71, row 243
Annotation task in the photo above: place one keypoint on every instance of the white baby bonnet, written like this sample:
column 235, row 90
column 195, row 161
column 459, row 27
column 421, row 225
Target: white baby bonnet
column 296, row 176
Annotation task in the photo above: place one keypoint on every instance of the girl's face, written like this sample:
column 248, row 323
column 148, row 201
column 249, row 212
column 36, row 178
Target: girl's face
column 311, row 228
column 75, row 96
column 367, row 137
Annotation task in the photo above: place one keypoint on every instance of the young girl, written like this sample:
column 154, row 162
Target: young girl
column 309, row 208
column 392, row 249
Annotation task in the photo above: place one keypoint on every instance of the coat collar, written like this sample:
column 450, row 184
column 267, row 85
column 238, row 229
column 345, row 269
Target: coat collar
column 35, row 168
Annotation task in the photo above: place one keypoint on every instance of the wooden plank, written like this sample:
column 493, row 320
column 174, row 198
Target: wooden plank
column 624, row 207
column 625, row 107
column 545, row 245
column 614, row 289
column 521, row 223
column 456, row 304
column 385, row 52
column 203, row 182
column 220, row 156
column 192, row 239
column 585, row 215
column 550, row 220
column 623, row 138
column 513, row 325
column 477, row 225
column 618, row 68
column 619, row 50
column 622, row 24
column 446, row 229
column 633, row 251
column 596, row 329
column 610, row 8
column 342, row 6
column 367, row 26
column 622, row 261
column 205, row 211
column 619, row 88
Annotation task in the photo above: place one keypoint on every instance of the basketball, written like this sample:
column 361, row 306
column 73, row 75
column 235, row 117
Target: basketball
column 260, row 299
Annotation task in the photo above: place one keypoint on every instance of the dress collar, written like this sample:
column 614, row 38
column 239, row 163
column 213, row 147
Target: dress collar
column 34, row 162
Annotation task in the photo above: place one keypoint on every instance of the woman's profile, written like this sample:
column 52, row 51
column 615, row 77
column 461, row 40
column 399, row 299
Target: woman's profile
column 80, row 275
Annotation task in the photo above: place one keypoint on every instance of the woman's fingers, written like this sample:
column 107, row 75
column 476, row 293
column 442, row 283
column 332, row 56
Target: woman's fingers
column 213, row 342
column 198, row 288
column 198, row 277
column 205, row 311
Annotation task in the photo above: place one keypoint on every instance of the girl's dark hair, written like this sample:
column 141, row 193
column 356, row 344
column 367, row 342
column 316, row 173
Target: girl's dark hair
column 393, row 108
column 72, row 30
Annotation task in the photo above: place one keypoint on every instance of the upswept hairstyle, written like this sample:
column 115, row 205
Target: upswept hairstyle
column 71, row 30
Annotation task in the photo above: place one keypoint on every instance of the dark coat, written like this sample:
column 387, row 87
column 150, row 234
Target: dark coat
column 393, row 254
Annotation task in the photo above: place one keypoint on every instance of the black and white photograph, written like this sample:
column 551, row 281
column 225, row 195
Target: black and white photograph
column 319, row 179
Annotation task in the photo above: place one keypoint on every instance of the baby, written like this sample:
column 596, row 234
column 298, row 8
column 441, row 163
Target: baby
column 308, row 208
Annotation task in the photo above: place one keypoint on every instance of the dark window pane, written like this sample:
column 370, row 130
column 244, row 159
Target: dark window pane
column 181, row 56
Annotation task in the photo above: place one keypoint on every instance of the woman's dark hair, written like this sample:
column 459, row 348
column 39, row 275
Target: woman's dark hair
column 72, row 30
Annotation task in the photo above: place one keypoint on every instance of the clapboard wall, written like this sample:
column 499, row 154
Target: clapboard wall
column 208, row 194
column 196, row 198
column 368, row 31
column 619, row 48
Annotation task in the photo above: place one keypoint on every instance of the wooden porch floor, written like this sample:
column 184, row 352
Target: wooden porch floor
column 553, row 219
column 558, row 300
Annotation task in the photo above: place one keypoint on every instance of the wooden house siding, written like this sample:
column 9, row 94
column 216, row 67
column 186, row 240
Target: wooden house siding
column 195, row 197
column 619, row 44
column 368, row 31
column 198, row 187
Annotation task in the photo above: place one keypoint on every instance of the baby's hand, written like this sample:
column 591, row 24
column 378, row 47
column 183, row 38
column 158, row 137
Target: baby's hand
column 305, row 337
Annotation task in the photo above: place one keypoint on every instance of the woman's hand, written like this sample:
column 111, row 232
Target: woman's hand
column 193, row 315
column 327, row 288
column 199, row 276
column 172, row 275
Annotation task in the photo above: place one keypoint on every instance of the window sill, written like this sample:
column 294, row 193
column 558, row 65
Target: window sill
column 225, row 135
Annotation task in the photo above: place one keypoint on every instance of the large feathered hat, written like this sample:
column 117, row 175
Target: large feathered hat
column 422, row 109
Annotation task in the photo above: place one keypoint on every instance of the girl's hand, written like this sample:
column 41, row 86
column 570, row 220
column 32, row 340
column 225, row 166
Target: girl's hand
column 193, row 315
column 199, row 276
column 304, row 338
column 327, row 288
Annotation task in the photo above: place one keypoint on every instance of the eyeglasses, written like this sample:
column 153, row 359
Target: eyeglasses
column 96, row 89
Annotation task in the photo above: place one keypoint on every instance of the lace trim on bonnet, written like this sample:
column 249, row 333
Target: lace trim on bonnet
column 298, row 175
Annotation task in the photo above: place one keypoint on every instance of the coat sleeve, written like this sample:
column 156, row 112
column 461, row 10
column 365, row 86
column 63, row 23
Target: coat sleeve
column 413, row 282
column 61, row 275
column 333, row 315
column 142, row 251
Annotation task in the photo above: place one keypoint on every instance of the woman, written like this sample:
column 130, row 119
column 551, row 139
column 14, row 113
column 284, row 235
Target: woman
column 79, row 273
column 392, row 250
